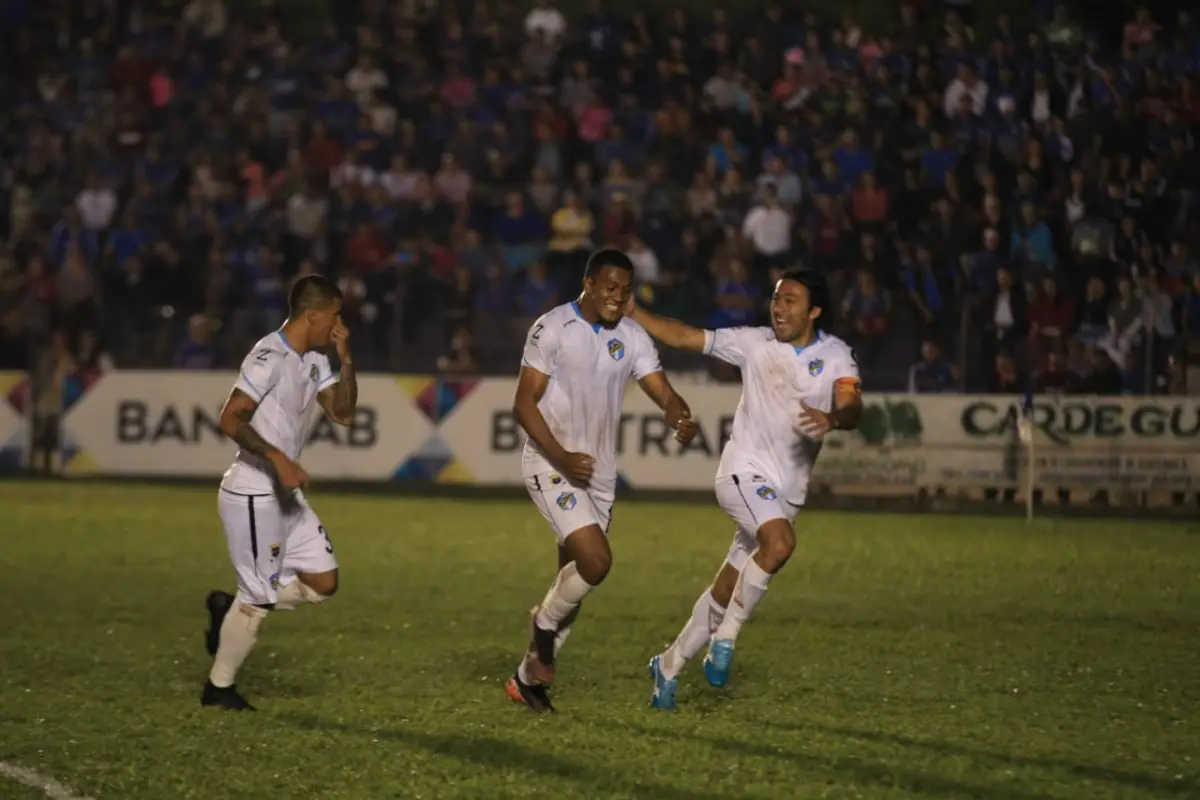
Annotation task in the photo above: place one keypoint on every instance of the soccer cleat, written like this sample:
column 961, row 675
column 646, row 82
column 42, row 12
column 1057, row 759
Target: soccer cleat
column 535, row 698
column 664, row 687
column 224, row 697
column 719, row 662
column 218, row 604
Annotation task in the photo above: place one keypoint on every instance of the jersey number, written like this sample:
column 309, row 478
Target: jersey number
column 328, row 544
column 537, row 331
column 262, row 355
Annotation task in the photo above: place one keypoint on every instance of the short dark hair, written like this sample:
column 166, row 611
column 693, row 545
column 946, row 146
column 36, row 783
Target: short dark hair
column 607, row 257
column 310, row 292
column 818, row 291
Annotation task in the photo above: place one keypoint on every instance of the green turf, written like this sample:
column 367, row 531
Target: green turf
column 896, row 656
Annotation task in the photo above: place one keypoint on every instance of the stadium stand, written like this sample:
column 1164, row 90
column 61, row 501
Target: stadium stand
column 992, row 193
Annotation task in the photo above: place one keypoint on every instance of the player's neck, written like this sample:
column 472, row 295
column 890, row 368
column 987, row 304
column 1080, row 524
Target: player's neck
column 295, row 338
column 805, row 339
column 588, row 311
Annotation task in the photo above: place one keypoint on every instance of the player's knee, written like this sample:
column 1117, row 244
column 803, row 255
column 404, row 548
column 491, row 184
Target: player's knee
column 324, row 585
column 776, row 543
column 593, row 567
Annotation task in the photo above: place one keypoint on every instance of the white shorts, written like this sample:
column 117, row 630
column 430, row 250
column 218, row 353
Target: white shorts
column 269, row 546
column 750, row 500
column 568, row 508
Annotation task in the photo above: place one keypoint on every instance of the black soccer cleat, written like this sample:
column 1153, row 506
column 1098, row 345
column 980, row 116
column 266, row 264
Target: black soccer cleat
column 224, row 697
column 535, row 698
column 218, row 604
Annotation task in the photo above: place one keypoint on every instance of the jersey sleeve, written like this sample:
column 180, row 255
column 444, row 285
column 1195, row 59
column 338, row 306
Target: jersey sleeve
column 325, row 374
column 646, row 360
column 259, row 373
column 845, row 369
column 541, row 346
column 729, row 344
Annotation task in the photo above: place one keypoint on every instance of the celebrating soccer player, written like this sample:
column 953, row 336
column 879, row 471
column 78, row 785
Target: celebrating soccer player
column 798, row 383
column 280, row 550
column 578, row 359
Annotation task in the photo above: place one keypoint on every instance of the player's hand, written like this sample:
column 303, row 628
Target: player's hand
column 578, row 467
column 814, row 423
column 340, row 336
column 679, row 419
column 629, row 307
column 291, row 474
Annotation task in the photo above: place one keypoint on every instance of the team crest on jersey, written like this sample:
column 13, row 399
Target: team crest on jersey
column 275, row 551
column 765, row 492
column 815, row 366
column 314, row 373
column 555, row 479
column 616, row 349
column 566, row 501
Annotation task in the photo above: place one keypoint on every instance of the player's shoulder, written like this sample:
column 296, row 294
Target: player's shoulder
column 632, row 330
column 835, row 347
column 556, row 317
column 270, row 346
column 752, row 334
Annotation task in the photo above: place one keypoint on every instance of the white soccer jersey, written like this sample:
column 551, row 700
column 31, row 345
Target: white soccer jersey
column 285, row 385
column 589, row 367
column 776, row 378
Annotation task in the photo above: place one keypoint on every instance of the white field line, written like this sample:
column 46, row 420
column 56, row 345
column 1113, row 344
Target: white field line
column 55, row 790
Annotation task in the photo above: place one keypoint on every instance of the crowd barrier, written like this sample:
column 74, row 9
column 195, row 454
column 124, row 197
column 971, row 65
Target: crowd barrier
column 461, row 431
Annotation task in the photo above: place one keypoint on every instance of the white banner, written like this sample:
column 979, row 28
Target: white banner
column 463, row 431
column 165, row 423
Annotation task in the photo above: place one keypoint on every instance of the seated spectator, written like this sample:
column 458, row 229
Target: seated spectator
column 866, row 309
column 1032, row 242
column 520, row 232
column 1051, row 319
column 932, row 374
column 538, row 294
column 738, row 298
column 460, row 358
column 196, row 351
column 1093, row 314
column 1055, row 378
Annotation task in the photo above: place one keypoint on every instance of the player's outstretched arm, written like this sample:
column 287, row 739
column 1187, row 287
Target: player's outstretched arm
column 670, row 332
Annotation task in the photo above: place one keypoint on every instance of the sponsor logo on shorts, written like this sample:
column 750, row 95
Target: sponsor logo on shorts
column 616, row 349
column 566, row 501
column 815, row 366
column 766, row 493
column 275, row 550
column 555, row 479
column 274, row 579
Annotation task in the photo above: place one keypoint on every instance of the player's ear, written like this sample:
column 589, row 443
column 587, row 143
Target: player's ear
column 814, row 312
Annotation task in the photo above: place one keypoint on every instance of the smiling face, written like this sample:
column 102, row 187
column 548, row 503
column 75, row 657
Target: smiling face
column 792, row 313
column 608, row 292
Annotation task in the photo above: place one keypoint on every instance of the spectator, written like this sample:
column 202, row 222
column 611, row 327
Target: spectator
column 460, row 358
column 768, row 229
column 738, row 299
column 196, row 351
column 932, row 374
column 538, row 294
column 866, row 310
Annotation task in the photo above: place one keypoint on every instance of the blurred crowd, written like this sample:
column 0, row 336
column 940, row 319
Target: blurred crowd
column 991, row 198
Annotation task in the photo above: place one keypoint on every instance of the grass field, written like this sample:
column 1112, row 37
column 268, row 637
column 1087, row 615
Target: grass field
column 941, row 657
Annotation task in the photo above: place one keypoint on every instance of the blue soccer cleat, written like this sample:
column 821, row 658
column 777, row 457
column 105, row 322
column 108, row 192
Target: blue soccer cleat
column 664, row 687
column 719, row 662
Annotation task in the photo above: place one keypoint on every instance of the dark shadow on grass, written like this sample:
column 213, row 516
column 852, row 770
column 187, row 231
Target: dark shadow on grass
column 1137, row 780
column 487, row 751
column 861, row 772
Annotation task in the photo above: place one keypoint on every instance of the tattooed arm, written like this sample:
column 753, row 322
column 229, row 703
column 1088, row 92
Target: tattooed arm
column 235, row 423
column 341, row 399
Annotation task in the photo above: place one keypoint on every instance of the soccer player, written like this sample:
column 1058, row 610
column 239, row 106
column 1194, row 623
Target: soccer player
column 578, row 359
column 798, row 383
column 280, row 550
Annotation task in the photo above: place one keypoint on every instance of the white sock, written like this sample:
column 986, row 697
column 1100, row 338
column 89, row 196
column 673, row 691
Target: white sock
column 750, row 588
column 296, row 594
column 565, row 595
column 706, row 616
column 239, row 631
column 560, row 639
